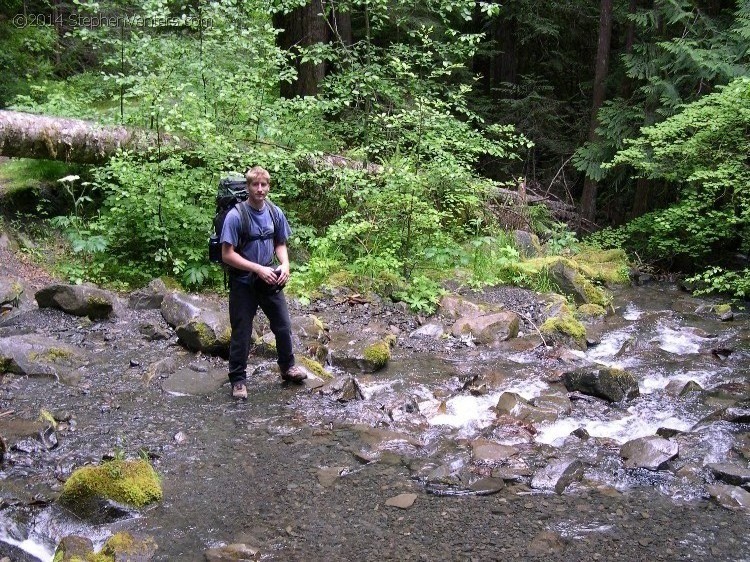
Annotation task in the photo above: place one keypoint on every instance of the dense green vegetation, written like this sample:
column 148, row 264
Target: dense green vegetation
column 432, row 107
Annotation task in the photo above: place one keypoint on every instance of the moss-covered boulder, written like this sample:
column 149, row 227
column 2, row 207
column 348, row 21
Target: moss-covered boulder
column 119, row 547
column 200, row 325
column 565, row 330
column 590, row 312
column 368, row 350
column 33, row 355
column 575, row 284
column 130, row 482
column 488, row 328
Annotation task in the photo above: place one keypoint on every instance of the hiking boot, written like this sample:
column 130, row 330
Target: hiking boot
column 239, row 390
column 294, row 374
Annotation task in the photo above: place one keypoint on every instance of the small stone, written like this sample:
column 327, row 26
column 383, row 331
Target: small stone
column 401, row 501
column 232, row 553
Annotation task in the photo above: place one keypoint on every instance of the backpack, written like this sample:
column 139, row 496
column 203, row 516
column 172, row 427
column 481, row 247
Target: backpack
column 232, row 192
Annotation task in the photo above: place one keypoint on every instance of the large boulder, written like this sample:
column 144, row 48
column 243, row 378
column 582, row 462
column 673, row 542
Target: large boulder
column 11, row 291
column 33, row 355
column 487, row 451
column 455, row 306
column 608, row 383
column 79, row 300
column 487, row 328
column 200, row 325
column 731, row 473
column 731, row 497
column 527, row 244
column 651, row 452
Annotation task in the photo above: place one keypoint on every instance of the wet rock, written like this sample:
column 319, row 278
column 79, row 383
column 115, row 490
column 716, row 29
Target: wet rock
column 742, row 445
column 561, row 404
column 558, row 475
column 178, row 308
column 487, row 328
column 367, row 351
column 690, row 386
column 667, row 432
column 732, row 415
column 431, row 330
column 150, row 297
column 518, row 407
column 546, row 543
column 343, row 389
column 153, row 332
column 79, row 300
column 573, row 284
column 455, row 306
column 648, row 452
column 232, row 553
column 73, row 548
column 401, row 501
column 490, row 452
column 187, row 381
column 731, row 473
column 33, row 355
column 581, row 433
column 731, row 497
column 608, row 383
column 124, row 547
column 328, row 475
column 487, row 486
column 48, row 438
column 165, row 366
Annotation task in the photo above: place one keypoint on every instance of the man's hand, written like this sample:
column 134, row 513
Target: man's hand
column 268, row 275
column 283, row 274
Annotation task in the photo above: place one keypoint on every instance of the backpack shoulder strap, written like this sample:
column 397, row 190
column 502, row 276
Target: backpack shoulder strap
column 274, row 216
column 244, row 233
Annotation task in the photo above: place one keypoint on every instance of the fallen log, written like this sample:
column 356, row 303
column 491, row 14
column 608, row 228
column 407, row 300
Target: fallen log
column 26, row 135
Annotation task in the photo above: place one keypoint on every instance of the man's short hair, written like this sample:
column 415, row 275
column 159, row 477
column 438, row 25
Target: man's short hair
column 257, row 173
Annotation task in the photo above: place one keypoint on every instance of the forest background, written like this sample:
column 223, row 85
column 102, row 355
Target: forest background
column 407, row 141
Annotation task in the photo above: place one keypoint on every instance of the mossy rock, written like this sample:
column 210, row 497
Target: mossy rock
column 607, row 266
column 565, row 329
column 590, row 311
column 316, row 368
column 129, row 482
column 377, row 355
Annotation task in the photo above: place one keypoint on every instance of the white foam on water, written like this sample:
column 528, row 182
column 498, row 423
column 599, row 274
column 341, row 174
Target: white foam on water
column 636, row 423
column 632, row 312
column 35, row 549
column 658, row 381
column 679, row 342
column 467, row 412
column 604, row 352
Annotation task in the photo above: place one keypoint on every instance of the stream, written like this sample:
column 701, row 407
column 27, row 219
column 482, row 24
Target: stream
column 304, row 477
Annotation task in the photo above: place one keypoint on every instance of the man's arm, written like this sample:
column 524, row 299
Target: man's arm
column 283, row 256
column 233, row 259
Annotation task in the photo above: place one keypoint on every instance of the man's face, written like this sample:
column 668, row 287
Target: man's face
column 257, row 189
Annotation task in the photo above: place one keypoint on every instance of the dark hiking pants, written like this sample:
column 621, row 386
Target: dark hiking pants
column 244, row 301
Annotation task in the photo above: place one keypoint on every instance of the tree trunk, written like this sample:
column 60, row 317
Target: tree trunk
column 341, row 24
column 26, row 135
column 588, row 197
column 302, row 27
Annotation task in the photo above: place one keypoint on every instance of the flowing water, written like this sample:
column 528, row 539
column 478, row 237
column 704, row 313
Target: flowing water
column 418, row 419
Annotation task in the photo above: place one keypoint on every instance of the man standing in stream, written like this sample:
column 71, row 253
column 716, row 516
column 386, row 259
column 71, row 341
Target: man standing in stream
column 253, row 232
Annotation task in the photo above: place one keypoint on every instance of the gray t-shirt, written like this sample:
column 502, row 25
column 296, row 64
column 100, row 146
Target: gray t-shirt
column 261, row 223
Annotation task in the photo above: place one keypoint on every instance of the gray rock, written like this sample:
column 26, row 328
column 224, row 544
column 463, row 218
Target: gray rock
column 742, row 445
column 178, row 308
column 546, row 543
column 610, row 384
column 200, row 325
column 368, row 350
column 648, row 452
column 232, row 553
column 74, row 547
column 569, row 281
column 186, row 381
column 487, row 328
column 431, row 330
column 731, row 473
column 455, row 306
column 490, row 452
column 730, row 414
column 11, row 291
column 33, row 355
column 487, row 486
column 343, row 389
column 150, row 297
column 527, row 244
column 558, row 475
column 153, row 332
column 79, row 300
column 561, row 404
column 516, row 406
column 731, row 497
column 401, row 501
